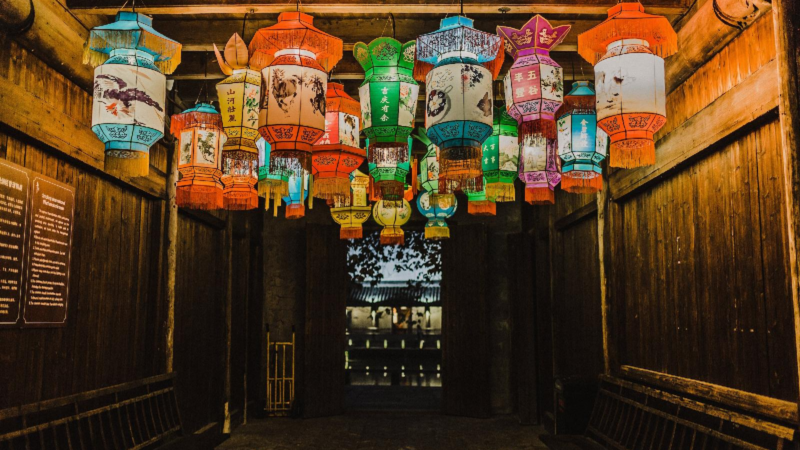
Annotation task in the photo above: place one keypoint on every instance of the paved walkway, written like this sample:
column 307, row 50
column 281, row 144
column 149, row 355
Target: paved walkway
column 386, row 431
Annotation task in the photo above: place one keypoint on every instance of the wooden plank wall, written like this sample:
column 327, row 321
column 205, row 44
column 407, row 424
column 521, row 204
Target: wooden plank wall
column 117, row 307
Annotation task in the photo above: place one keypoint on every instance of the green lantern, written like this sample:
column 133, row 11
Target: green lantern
column 429, row 164
column 501, row 157
column 388, row 99
column 479, row 204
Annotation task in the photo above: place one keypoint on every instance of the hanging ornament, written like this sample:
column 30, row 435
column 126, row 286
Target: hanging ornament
column 352, row 211
column 392, row 215
column 130, row 60
column 458, row 63
column 296, row 57
column 539, row 169
column 429, row 164
column 200, row 136
column 478, row 203
column 501, row 158
column 298, row 193
column 437, row 209
column 336, row 155
column 388, row 98
column 272, row 184
column 581, row 145
column 534, row 87
column 627, row 52
column 239, row 95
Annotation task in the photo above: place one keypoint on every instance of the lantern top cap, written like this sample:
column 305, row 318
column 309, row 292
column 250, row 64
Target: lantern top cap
column 536, row 36
column 135, row 31
column 628, row 20
column 294, row 30
column 456, row 34
column 456, row 21
column 203, row 107
column 386, row 52
column 581, row 88
column 201, row 114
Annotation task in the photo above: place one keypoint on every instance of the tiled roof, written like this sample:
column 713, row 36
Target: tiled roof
column 394, row 293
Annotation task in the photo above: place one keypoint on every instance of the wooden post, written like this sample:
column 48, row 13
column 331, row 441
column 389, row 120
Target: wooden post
column 226, row 427
column 172, row 250
column 785, row 14
column 602, row 204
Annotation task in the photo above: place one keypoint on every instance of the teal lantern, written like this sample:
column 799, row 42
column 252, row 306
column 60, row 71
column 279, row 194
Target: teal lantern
column 429, row 164
column 581, row 144
column 388, row 99
column 273, row 184
column 501, row 157
column 298, row 192
column 437, row 208
column 129, row 94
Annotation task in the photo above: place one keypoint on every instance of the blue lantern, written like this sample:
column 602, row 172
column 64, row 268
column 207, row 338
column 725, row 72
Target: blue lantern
column 298, row 193
column 581, row 144
column 437, row 208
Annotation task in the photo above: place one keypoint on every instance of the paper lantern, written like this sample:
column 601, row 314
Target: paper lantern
column 298, row 193
column 458, row 114
column 354, row 210
column 437, row 209
column 296, row 57
column 392, row 215
column 429, row 164
column 200, row 137
column 272, row 184
column 627, row 52
column 336, row 155
column 501, row 158
column 479, row 204
column 581, row 145
column 128, row 101
column 534, row 86
column 539, row 169
column 388, row 98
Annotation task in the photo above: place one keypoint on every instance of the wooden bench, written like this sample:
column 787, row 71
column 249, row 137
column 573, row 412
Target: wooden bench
column 135, row 415
column 631, row 416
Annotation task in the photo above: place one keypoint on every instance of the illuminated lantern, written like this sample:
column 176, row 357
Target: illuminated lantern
column 354, row 210
column 581, row 145
column 239, row 95
column 458, row 114
column 501, row 158
column 200, row 136
column 627, row 52
column 272, row 185
column 437, row 209
column 130, row 60
column 388, row 98
column 534, row 86
column 298, row 193
column 479, row 204
column 296, row 57
column 429, row 164
column 336, row 155
column 392, row 215
column 539, row 169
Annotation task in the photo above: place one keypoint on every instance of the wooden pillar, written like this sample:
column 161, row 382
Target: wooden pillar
column 608, row 214
column 785, row 14
column 172, row 250
column 226, row 426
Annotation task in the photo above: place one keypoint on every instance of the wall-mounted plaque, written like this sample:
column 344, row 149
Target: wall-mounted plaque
column 14, row 187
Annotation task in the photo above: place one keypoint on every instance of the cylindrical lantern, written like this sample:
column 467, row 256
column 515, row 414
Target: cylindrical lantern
column 437, row 209
column 298, row 193
column 581, row 145
column 354, row 210
column 539, row 169
column 392, row 215
column 200, row 136
column 129, row 92
column 296, row 57
column 458, row 113
column 272, row 184
column 534, row 87
column 336, row 155
column 501, row 158
column 479, row 204
column 429, row 164
column 627, row 52
column 388, row 98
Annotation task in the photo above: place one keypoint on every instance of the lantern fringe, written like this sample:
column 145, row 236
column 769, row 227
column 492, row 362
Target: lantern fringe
column 134, row 164
column 577, row 103
column 273, row 188
column 182, row 121
column 437, row 233
column 394, row 238
column 199, row 197
column 496, row 64
column 501, row 192
column 421, row 70
column 295, row 30
column 580, row 182
column 540, row 196
column 482, row 208
column 331, row 188
column 391, row 190
column 239, row 201
column 351, row 233
column 632, row 153
column 539, row 127
column 457, row 165
column 289, row 160
column 295, row 211
column 168, row 51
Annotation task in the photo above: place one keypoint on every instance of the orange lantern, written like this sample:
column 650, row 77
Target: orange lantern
column 336, row 155
column 296, row 57
column 627, row 52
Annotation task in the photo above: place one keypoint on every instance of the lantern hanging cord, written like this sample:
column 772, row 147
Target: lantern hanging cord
column 394, row 29
column 204, row 88
column 244, row 22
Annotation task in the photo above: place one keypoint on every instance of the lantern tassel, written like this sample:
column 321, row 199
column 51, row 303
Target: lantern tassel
column 393, row 236
column 437, row 233
column 632, row 153
column 540, row 127
column 482, row 208
column 540, row 196
column 311, row 192
column 124, row 163
column 199, row 197
column 275, row 207
column 351, row 233
column 580, row 182
column 501, row 192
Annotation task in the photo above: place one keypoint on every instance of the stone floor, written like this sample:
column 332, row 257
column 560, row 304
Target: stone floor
column 386, row 431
